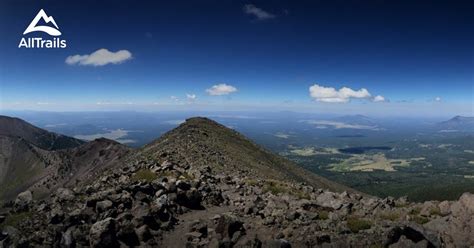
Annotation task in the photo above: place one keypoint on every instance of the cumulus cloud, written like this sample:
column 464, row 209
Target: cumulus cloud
column 379, row 98
column 191, row 97
column 330, row 94
column 259, row 13
column 221, row 89
column 437, row 99
column 100, row 57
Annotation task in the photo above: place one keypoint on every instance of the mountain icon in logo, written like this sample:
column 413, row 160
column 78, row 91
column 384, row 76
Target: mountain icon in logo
column 47, row 29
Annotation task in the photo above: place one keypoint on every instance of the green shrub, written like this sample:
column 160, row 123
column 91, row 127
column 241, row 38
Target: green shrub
column 144, row 175
column 435, row 211
column 415, row 210
column 355, row 224
column 392, row 216
column 274, row 187
column 420, row 219
column 251, row 182
column 323, row 215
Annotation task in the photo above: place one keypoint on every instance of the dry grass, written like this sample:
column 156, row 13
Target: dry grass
column 356, row 224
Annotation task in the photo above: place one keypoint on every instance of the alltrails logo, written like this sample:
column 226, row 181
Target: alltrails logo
column 38, row 42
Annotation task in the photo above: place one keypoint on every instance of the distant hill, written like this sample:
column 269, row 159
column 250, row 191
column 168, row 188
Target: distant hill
column 459, row 123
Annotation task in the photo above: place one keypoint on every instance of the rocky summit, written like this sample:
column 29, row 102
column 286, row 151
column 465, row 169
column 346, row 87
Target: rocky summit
column 204, row 185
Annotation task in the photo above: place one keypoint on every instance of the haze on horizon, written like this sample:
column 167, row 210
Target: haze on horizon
column 410, row 58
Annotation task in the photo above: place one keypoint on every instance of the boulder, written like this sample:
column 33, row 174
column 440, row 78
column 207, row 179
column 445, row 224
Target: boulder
column 56, row 215
column 64, row 194
column 103, row 234
column 444, row 207
column 103, row 206
column 227, row 225
column 23, row 201
column 128, row 236
column 467, row 200
column 329, row 199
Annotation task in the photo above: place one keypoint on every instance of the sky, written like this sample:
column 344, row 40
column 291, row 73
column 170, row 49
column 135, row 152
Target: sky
column 376, row 57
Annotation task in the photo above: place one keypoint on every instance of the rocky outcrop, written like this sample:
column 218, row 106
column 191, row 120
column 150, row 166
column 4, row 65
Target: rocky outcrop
column 158, row 203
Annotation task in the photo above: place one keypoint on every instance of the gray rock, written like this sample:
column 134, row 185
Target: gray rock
column 64, row 194
column 67, row 239
column 467, row 200
column 329, row 199
column 56, row 215
column 227, row 225
column 23, row 201
column 102, row 234
column 103, row 206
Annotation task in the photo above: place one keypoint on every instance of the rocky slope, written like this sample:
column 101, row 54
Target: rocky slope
column 202, row 142
column 182, row 193
column 38, row 160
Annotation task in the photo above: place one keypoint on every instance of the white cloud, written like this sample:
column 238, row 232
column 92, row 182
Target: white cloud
column 437, row 99
column 174, row 98
column 100, row 57
column 221, row 89
column 259, row 13
column 191, row 97
column 379, row 98
column 330, row 94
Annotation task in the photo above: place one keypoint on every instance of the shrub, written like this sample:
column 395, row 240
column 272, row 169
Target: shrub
column 420, row 219
column 392, row 216
column 274, row 187
column 323, row 215
column 355, row 224
column 144, row 175
column 435, row 211
column 415, row 210
column 251, row 182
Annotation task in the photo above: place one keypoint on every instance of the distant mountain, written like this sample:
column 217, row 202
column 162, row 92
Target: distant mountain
column 35, row 159
column 15, row 127
column 459, row 123
column 356, row 120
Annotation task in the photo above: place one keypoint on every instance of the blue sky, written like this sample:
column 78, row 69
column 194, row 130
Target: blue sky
column 416, row 55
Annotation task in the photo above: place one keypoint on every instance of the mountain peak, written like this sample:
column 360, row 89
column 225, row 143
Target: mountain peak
column 201, row 141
